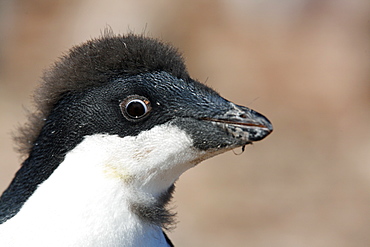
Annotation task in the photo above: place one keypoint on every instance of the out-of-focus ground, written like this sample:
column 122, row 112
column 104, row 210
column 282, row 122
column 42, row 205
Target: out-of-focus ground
column 304, row 64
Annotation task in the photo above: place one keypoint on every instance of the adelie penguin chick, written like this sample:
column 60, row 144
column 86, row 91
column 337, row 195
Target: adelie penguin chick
column 118, row 121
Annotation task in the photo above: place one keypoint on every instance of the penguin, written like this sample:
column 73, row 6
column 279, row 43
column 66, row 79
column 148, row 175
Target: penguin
column 118, row 119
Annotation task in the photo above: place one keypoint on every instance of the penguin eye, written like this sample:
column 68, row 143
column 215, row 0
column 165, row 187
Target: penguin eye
column 135, row 107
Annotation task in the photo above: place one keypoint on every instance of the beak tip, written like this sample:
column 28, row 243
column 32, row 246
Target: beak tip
column 263, row 127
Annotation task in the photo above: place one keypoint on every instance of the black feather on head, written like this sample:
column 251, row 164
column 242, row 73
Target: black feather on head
column 95, row 63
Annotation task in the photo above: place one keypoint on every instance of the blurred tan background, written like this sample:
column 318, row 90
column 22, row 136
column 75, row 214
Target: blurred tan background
column 304, row 64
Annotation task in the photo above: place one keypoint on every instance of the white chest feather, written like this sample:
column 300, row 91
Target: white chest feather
column 86, row 201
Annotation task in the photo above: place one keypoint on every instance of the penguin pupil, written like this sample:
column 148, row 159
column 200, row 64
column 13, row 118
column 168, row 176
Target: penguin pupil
column 136, row 109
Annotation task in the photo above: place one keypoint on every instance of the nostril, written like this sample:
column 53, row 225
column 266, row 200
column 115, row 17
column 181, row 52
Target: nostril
column 243, row 115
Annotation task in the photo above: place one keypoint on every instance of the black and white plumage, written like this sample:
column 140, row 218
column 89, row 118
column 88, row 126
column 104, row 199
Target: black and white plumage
column 118, row 121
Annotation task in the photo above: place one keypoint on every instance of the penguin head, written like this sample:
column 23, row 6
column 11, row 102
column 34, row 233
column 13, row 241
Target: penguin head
column 126, row 107
column 130, row 86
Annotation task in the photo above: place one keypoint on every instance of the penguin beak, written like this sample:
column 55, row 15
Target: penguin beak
column 244, row 124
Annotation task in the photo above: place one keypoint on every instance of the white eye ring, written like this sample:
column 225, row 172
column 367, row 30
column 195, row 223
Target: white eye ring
column 135, row 107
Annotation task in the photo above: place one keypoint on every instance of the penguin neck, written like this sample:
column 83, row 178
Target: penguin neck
column 87, row 201
column 80, row 213
column 48, row 149
column 109, row 189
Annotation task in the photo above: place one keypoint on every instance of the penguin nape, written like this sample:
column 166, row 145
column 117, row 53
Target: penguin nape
column 118, row 119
